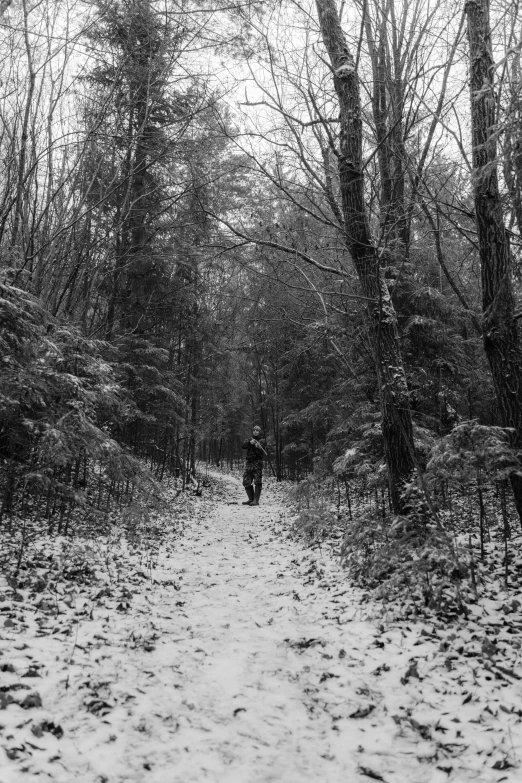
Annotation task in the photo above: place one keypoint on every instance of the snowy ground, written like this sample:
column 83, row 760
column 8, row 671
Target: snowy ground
column 242, row 658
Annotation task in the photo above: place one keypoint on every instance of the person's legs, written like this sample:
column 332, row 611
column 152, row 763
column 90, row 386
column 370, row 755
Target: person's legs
column 257, row 495
column 248, row 477
column 258, row 481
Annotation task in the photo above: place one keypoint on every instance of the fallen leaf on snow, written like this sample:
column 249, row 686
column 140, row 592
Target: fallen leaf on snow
column 370, row 773
column 363, row 712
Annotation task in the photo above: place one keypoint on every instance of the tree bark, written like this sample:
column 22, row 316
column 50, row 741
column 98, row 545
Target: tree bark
column 512, row 151
column 388, row 112
column 396, row 416
column 500, row 330
column 24, row 140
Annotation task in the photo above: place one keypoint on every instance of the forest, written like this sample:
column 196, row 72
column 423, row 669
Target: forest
column 217, row 215
column 302, row 215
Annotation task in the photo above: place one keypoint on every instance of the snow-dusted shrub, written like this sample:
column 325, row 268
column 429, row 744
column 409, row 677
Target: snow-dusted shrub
column 457, row 508
column 316, row 519
column 60, row 402
column 469, row 448
column 405, row 557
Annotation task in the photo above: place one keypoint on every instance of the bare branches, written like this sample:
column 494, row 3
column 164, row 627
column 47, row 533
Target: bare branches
column 281, row 247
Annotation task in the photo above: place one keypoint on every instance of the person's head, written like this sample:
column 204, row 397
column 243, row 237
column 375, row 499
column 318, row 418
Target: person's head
column 256, row 432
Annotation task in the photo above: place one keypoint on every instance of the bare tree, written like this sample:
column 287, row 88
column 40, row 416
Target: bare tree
column 396, row 417
column 500, row 328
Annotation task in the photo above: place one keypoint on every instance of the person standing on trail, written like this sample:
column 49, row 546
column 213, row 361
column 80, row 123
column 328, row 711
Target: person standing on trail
column 253, row 473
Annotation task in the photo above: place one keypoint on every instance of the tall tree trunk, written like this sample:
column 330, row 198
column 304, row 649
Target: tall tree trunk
column 388, row 111
column 500, row 330
column 512, row 151
column 380, row 118
column 382, row 320
column 24, row 141
column 139, row 265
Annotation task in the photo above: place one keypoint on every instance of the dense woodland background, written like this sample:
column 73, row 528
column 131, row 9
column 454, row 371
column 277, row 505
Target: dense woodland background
column 215, row 214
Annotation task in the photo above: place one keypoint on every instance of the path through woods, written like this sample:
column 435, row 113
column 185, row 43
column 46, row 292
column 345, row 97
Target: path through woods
column 247, row 660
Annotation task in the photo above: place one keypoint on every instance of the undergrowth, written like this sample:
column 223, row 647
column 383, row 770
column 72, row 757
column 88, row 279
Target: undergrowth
column 458, row 531
column 36, row 559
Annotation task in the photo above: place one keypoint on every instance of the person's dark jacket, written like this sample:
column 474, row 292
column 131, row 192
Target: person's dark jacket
column 253, row 454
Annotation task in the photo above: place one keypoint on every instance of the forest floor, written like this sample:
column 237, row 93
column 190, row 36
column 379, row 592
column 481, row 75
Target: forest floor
column 241, row 657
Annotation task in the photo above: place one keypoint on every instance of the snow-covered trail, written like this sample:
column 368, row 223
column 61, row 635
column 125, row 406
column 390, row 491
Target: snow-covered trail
column 247, row 661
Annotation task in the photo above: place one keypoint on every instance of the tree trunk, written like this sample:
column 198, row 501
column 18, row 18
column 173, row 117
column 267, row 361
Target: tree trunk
column 512, row 151
column 500, row 330
column 24, row 141
column 396, row 416
column 388, row 111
